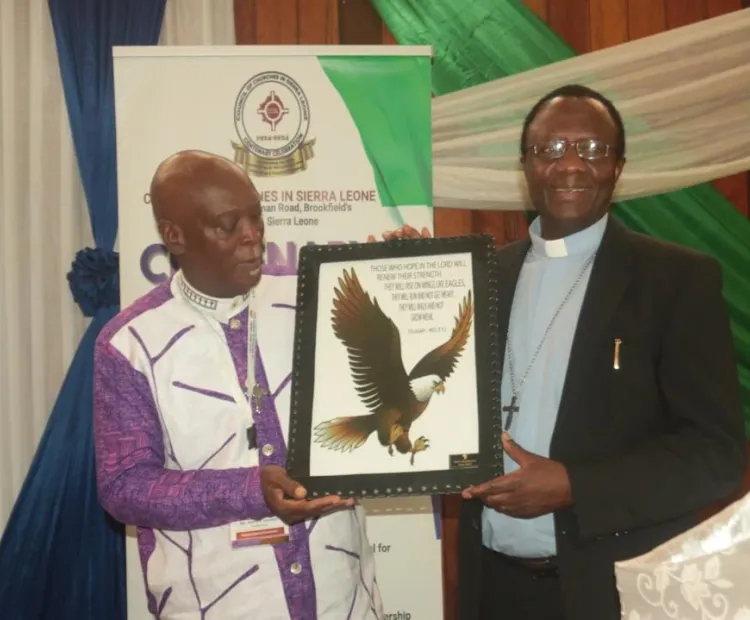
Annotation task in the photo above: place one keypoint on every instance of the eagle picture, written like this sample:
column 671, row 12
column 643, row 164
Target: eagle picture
column 394, row 398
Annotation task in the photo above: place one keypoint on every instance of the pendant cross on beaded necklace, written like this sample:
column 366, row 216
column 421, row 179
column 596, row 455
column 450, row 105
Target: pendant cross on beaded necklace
column 510, row 410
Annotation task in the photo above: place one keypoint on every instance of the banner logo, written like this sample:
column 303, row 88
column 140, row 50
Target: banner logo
column 272, row 120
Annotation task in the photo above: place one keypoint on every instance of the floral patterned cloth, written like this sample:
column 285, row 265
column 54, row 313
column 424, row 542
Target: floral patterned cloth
column 703, row 574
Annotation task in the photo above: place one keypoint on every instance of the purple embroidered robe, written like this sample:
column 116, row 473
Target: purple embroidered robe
column 173, row 459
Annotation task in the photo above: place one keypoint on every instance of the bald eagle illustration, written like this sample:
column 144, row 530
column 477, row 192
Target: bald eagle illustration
column 394, row 398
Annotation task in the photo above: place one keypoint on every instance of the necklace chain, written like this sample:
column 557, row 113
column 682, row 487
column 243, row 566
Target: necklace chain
column 517, row 391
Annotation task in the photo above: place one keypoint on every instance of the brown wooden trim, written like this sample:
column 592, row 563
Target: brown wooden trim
column 608, row 23
column 715, row 8
column 452, row 222
column 244, row 22
column 277, row 22
column 645, row 17
column 318, row 22
column 451, row 510
column 359, row 23
column 540, row 7
column 684, row 12
column 570, row 20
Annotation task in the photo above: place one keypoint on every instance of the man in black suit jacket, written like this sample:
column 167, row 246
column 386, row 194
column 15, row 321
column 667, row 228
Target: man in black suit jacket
column 629, row 420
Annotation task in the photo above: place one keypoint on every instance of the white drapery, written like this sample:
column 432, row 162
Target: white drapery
column 684, row 95
column 44, row 221
column 198, row 22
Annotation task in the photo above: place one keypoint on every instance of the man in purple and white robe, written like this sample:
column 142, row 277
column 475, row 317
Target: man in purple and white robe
column 190, row 442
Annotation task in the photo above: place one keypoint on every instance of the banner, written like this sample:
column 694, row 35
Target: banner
column 338, row 142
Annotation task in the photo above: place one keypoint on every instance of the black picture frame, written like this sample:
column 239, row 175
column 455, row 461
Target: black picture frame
column 316, row 264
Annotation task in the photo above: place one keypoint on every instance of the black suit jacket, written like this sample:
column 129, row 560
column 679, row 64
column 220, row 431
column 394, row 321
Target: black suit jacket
column 646, row 446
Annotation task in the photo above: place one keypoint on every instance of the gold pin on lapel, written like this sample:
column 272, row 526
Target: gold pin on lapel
column 616, row 364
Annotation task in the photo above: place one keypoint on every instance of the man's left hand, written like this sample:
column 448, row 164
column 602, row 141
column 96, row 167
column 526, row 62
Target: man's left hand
column 538, row 487
column 405, row 232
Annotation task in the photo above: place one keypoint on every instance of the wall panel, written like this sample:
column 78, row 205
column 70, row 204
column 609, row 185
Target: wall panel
column 318, row 22
column 359, row 23
column 570, row 20
column 276, row 22
column 244, row 22
column 645, row 17
column 684, row 12
column 540, row 7
column 611, row 20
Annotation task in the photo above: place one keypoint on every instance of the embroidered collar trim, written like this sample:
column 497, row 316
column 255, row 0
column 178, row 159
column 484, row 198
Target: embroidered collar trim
column 220, row 307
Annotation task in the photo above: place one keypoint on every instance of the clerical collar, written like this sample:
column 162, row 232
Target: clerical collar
column 219, row 308
column 581, row 242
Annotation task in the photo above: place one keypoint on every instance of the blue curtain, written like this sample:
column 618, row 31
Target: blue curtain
column 61, row 556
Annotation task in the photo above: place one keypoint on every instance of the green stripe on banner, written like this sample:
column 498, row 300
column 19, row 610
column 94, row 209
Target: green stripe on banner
column 396, row 138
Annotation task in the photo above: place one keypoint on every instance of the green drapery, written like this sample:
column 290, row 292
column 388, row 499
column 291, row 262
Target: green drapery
column 490, row 39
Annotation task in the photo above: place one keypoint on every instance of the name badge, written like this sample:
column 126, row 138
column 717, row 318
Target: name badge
column 268, row 531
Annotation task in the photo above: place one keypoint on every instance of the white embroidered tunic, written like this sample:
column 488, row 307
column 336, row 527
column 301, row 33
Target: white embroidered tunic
column 173, row 458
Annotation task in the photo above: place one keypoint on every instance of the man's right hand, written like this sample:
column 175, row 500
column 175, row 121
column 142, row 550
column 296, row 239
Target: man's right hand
column 286, row 498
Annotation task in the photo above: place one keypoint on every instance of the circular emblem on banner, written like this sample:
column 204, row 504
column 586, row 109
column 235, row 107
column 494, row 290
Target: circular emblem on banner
column 271, row 116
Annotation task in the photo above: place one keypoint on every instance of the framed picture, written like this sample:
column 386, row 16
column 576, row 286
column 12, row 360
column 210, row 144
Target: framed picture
column 396, row 369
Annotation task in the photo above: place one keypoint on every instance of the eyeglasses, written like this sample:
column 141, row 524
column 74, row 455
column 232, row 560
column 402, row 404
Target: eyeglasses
column 590, row 150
